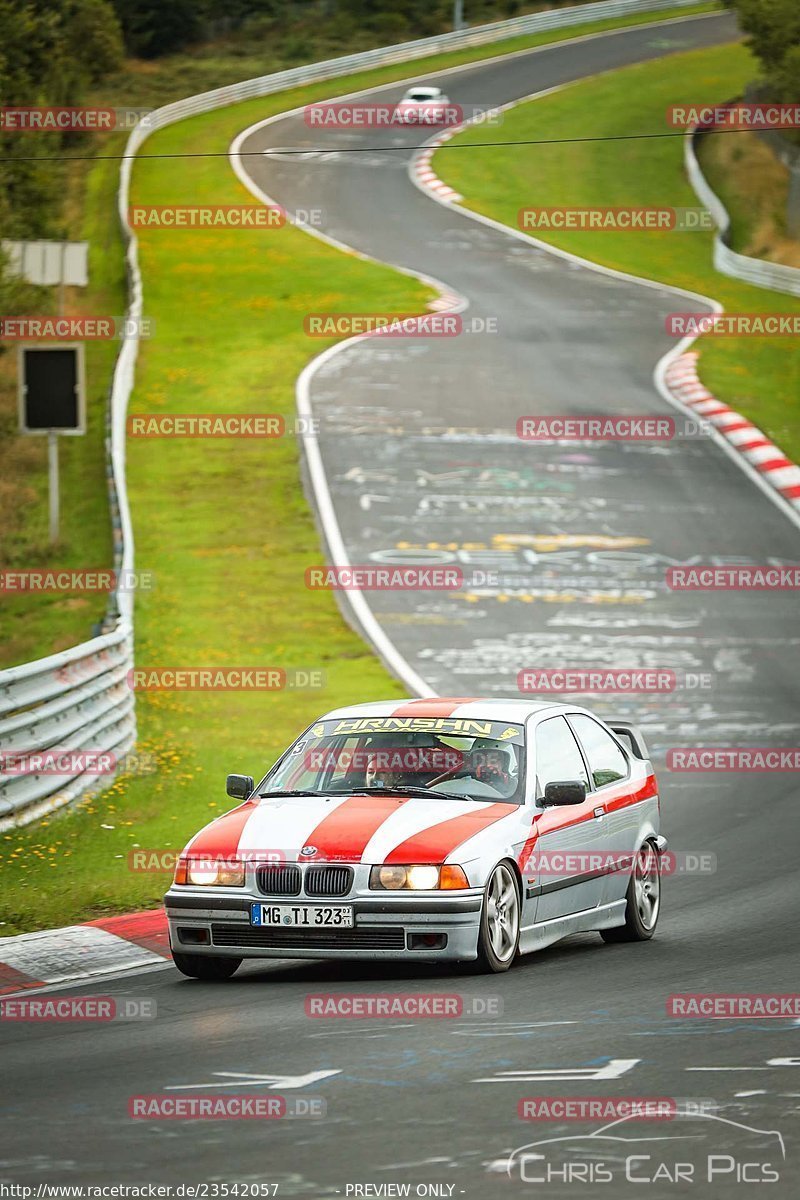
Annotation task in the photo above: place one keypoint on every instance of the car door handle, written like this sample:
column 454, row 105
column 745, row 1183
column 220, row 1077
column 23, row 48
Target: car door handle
column 599, row 813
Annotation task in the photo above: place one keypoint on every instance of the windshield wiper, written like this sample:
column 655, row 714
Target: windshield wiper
column 402, row 790
column 309, row 792
column 425, row 793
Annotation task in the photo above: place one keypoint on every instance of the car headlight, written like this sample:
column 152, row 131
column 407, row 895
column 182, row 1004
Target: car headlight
column 417, row 878
column 207, row 873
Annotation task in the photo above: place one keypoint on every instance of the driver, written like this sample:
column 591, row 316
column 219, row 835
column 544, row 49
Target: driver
column 491, row 766
column 375, row 777
column 491, row 769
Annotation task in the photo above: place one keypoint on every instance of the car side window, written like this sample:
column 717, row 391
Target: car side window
column 558, row 757
column 606, row 761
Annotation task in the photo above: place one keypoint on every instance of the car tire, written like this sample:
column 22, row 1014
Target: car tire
column 501, row 911
column 202, row 966
column 643, row 899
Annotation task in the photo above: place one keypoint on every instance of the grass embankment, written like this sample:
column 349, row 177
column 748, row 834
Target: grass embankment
column 753, row 184
column 757, row 376
column 223, row 526
column 35, row 624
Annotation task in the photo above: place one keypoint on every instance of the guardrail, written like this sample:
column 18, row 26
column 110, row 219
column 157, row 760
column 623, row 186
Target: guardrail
column 279, row 81
column 758, row 271
column 79, row 699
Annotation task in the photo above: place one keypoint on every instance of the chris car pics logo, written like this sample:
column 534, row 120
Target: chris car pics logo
column 697, row 1148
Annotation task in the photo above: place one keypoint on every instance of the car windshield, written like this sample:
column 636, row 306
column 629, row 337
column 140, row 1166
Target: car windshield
column 421, row 95
column 472, row 759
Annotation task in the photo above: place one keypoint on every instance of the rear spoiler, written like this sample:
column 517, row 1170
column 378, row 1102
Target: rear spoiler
column 631, row 737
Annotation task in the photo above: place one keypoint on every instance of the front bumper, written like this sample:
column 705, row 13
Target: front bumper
column 414, row 116
column 384, row 925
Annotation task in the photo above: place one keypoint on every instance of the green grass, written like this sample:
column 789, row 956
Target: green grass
column 33, row 625
column 757, row 376
column 223, row 526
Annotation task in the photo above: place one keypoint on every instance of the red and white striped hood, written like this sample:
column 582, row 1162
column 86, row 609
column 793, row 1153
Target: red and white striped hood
column 369, row 829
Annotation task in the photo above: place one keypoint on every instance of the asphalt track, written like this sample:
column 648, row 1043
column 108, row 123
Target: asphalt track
column 424, row 1101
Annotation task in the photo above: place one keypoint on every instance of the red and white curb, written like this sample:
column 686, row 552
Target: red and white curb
column 746, row 438
column 447, row 302
column 80, row 952
column 423, row 174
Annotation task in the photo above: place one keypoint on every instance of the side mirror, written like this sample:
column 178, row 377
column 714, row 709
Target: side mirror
column 239, row 787
column 570, row 791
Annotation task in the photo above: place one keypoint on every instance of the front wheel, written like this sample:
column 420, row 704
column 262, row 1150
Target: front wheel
column 643, row 900
column 202, row 966
column 500, row 919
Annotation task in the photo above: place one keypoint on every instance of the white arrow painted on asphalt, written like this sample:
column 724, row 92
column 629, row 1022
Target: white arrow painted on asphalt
column 771, row 1062
column 614, row 1068
column 283, row 1083
column 503, row 1028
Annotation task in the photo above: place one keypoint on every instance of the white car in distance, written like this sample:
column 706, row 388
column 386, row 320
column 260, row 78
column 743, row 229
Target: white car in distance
column 422, row 105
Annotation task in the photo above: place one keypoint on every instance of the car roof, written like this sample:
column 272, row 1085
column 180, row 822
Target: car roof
column 423, row 87
column 516, row 711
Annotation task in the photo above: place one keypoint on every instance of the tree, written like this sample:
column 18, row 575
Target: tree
column 51, row 50
column 773, row 29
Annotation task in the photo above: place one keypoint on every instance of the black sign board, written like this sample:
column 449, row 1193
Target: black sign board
column 51, row 389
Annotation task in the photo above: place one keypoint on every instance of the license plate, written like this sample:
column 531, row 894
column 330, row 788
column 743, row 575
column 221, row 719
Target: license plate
column 303, row 916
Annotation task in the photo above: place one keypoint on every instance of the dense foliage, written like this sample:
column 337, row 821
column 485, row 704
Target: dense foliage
column 51, row 53
column 773, row 29
column 152, row 28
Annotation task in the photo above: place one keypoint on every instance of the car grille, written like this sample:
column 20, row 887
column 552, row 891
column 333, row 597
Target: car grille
column 282, row 880
column 366, row 938
column 324, row 880
column 321, row 879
